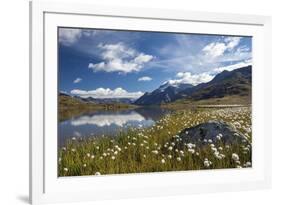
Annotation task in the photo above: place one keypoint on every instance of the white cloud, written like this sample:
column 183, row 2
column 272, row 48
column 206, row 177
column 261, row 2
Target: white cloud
column 68, row 36
column 233, row 67
column 106, row 93
column 216, row 49
column 145, row 78
column 194, row 79
column 107, row 120
column 77, row 80
column 120, row 58
column 232, row 42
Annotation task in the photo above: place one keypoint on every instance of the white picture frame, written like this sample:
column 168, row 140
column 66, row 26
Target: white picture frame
column 46, row 187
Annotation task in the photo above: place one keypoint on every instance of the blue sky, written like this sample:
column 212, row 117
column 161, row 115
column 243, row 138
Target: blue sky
column 107, row 63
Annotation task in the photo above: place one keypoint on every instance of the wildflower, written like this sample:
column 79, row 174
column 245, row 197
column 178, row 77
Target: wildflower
column 170, row 156
column 141, row 144
column 97, row 173
column 101, row 157
column 65, row 169
column 73, row 150
column 181, row 153
column 170, row 148
column 178, row 159
column 189, row 145
column 88, row 155
column 219, row 136
column 144, row 156
column 84, row 165
column 222, row 155
column 214, row 149
column 113, row 157
column 92, row 156
column 97, row 147
column 154, row 151
column 207, row 163
column 115, row 153
column 248, row 164
column 235, row 157
column 163, row 161
column 104, row 154
column 191, row 151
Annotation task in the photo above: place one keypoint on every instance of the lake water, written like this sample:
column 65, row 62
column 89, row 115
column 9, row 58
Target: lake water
column 108, row 123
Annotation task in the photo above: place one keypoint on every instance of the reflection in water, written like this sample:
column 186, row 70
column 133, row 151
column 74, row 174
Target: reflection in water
column 108, row 123
column 102, row 120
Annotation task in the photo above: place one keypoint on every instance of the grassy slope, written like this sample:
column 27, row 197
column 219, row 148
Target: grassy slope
column 227, row 100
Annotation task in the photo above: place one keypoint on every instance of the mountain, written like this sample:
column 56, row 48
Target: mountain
column 105, row 100
column 227, row 83
column 164, row 94
column 98, row 100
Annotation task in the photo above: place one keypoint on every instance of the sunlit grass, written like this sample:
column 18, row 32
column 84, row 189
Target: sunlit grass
column 159, row 148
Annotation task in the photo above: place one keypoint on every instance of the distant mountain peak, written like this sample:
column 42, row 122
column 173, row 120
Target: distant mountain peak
column 235, row 82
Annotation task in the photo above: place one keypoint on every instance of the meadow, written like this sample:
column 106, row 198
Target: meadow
column 160, row 148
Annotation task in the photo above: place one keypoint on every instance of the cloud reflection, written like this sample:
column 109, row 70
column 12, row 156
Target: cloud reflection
column 102, row 120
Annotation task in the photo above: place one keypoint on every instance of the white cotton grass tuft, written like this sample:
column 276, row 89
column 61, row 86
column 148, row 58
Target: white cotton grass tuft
column 97, row 173
column 192, row 151
column 163, row 161
column 235, row 157
column 65, row 169
column 248, row 164
column 219, row 136
column 155, row 151
column 178, row 159
column 207, row 163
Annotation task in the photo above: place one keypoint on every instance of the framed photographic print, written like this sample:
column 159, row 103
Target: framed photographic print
column 129, row 102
